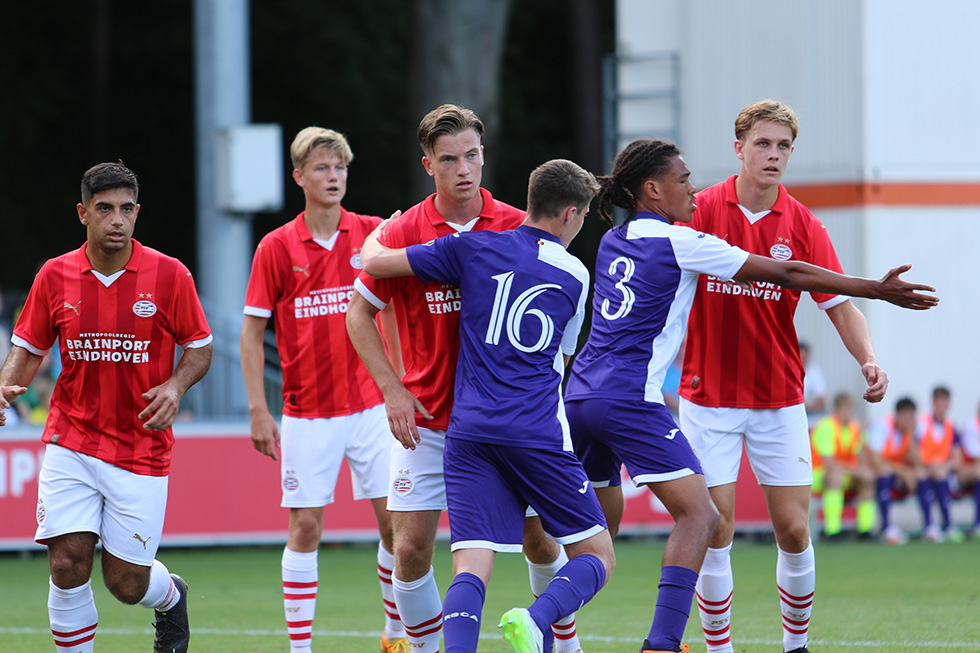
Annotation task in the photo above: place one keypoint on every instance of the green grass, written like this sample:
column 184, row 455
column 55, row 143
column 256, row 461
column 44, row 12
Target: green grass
column 870, row 597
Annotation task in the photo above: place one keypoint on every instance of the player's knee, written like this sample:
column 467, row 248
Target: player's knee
column 413, row 557
column 127, row 589
column 541, row 550
column 794, row 537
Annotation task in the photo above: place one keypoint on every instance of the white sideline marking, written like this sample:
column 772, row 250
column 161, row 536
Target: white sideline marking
column 906, row 644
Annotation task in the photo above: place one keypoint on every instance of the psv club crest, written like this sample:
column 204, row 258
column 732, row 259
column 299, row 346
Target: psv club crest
column 144, row 308
column 402, row 484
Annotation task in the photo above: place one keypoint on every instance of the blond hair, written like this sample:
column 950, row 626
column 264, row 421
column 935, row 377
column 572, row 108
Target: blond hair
column 768, row 111
column 312, row 138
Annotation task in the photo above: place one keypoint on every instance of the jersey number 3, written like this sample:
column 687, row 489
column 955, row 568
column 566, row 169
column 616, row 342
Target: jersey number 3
column 516, row 312
column 629, row 267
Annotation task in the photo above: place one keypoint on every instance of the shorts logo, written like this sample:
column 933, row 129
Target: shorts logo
column 584, row 488
column 289, row 482
column 136, row 536
column 355, row 262
column 402, row 485
column 144, row 308
column 780, row 252
column 41, row 514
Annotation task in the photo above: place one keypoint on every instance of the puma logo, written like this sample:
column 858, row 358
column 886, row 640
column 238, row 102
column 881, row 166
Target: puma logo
column 305, row 270
column 136, row 536
column 75, row 307
column 584, row 488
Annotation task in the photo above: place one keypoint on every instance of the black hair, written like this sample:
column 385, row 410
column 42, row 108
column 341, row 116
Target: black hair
column 644, row 158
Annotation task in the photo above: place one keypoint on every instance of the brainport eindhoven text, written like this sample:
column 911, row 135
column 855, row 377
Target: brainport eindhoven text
column 760, row 289
column 112, row 347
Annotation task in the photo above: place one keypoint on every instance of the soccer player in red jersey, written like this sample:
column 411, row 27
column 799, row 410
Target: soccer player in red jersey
column 742, row 373
column 118, row 310
column 303, row 275
column 418, row 404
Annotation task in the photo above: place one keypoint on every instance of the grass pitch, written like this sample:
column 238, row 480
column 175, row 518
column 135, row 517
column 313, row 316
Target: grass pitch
column 870, row 597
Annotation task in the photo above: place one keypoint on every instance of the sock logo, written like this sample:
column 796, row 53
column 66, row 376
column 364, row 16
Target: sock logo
column 464, row 615
column 136, row 536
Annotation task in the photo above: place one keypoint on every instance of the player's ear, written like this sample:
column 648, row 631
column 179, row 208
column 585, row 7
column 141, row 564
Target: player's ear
column 739, row 149
column 298, row 177
column 428, row 166
column 82, row 213
column 651, row 188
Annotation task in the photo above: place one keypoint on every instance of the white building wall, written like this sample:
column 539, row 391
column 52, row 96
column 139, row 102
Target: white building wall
column 886, row 91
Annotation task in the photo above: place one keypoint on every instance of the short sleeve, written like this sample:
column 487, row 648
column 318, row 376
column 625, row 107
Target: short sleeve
column 35, row 326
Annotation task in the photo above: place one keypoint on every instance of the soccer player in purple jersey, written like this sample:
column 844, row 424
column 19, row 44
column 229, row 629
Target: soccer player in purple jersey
column 507, row 446
column 646, row 276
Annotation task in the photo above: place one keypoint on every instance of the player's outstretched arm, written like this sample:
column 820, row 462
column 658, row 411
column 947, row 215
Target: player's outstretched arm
column 165, row 398
column 400, row 404
column 265, row 432
column 382, row 262
column 803, row 276
column 17, row 373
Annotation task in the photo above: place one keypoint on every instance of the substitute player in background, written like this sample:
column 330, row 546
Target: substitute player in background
column 941, row 456
column 742, row 373
column 303, row 274
column 895, row 459
column 841, row 465
column 968, row 475
column 646, row 275
column 419, row 404
column 117, row 310
column 507, row 445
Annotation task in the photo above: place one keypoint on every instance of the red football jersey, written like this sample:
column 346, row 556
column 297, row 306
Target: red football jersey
column 307, row 288
column 116, row 343
column 742, row 350
column 428, row 313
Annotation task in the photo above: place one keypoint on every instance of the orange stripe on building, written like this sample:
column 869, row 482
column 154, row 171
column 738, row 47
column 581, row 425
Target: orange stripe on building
column 887, row 194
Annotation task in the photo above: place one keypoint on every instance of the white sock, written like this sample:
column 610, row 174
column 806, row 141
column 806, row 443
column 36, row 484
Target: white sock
column 73, row 618
column 566, row 637
column 421, row 611
column 796, row 580
column 393, row 623
column 162, row 594
column 715, row 588
column 299, row 585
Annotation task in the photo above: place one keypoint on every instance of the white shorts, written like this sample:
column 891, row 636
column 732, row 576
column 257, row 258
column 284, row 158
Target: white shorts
column 313, row 450
column 776, row 440
column 77, row 493
column 417, row 482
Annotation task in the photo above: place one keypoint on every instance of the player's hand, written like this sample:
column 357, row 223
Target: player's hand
column 895, row 290
column 265, row 434
column 877, row 382
column 162, row 410
column 401, row 406
column 7, row 394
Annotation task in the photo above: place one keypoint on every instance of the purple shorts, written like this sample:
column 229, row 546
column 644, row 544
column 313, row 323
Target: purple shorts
column 490, row 486
column 639, row 434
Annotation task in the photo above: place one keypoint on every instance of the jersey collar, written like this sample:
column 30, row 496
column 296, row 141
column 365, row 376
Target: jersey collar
column 133, row 264
column 435, row 218
column 539, row 234
column 304, row 231
column 732, row 198
column 648, row 215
